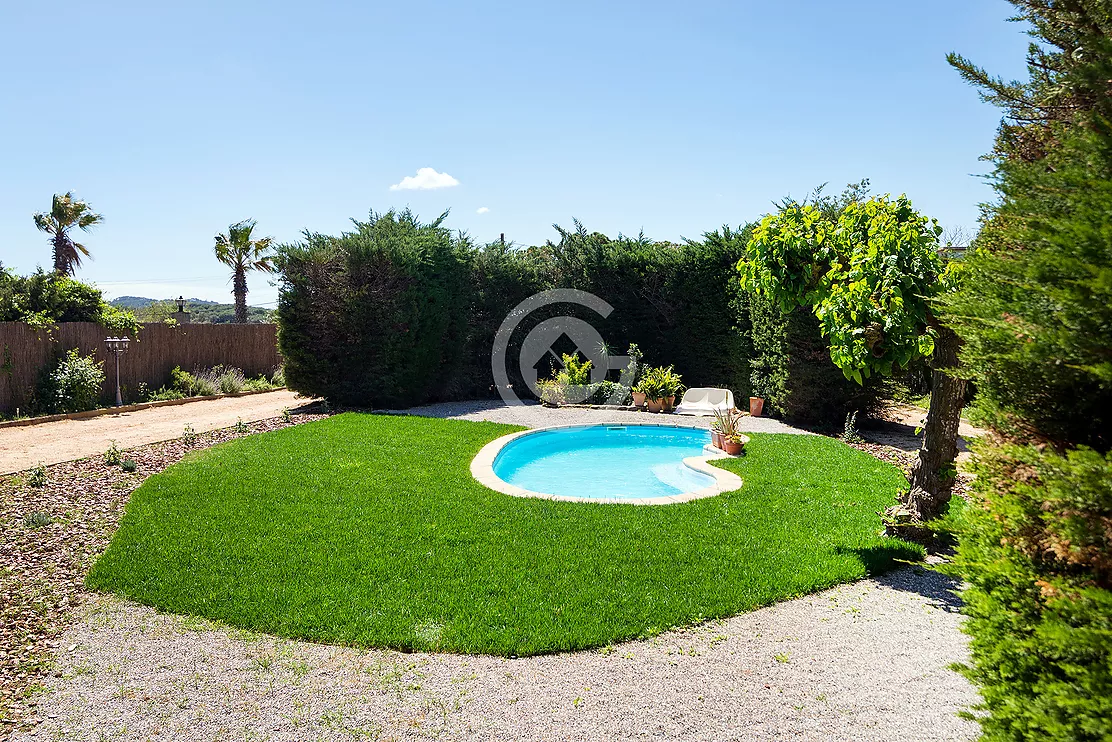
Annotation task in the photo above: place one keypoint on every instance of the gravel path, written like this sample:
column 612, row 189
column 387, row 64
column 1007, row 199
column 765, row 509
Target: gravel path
column 860, row 662
column 536, row 416
column 867, row 661
column 66, row 440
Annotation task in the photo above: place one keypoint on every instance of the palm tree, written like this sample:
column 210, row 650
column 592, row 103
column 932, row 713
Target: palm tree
column 239, row 252
column 67, row 212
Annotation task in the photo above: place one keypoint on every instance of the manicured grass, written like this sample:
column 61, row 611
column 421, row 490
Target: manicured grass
column 369, row 530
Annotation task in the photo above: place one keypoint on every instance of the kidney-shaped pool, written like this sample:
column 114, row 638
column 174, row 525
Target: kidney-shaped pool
column 623, row 463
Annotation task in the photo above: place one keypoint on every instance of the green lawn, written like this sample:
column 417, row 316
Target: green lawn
column 369, row 530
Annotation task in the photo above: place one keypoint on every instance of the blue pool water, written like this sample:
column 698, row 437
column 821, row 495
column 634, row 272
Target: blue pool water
column 605, row 462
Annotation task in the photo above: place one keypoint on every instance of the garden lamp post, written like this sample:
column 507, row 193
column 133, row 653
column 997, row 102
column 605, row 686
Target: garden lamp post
column 118, row 346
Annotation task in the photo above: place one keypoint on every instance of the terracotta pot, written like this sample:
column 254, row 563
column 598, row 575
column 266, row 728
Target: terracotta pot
column 655, row 405
column 638, row 399
column 756, row 406
column 732, row 447
column 716, row 439
column 669, row 402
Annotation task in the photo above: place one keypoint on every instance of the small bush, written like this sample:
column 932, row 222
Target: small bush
column 129, row 465
column 73, row 384
column 259, row 384
column 112, row 455
column 164, row 394
column 241, row 427
column 183, row 382
column 188, row 435
column 37, row 519
column 278, row 378
column 37, row 476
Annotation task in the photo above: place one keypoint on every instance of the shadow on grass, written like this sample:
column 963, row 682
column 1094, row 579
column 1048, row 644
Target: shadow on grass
column 888, row 566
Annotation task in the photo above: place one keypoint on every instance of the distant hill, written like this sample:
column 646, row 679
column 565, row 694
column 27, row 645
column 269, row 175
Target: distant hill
column 200, row 310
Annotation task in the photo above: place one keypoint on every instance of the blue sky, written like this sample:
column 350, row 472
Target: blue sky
column 174, row 120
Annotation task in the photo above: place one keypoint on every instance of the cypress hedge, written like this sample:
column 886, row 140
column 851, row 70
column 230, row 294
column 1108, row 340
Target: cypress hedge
column 396, row 313
column 1035, row 310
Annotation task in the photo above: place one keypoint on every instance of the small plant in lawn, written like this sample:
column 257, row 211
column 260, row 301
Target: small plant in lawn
column 850, row 434
column 112, row 455
column 129, row 465
column 241, row 427
column 37, row 519
column 37, row 476
column 188, row 435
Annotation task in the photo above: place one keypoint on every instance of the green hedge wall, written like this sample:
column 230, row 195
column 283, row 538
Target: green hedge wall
column 397, row 313
column 374, row 317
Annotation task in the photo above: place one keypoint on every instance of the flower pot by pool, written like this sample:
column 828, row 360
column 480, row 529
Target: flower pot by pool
column 655, row 405
column 638, row 399
column 756, row 406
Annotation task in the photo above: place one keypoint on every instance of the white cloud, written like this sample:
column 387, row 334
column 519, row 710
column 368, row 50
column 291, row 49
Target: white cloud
column 482, row 210
column 426, row 179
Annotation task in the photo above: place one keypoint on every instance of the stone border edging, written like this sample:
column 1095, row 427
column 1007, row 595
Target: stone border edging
column 482, row 469
column 125, row 408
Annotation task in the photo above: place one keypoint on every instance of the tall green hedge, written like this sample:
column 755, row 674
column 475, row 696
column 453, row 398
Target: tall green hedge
column 1035, row 310
column 792, row 370
column 376, row 316
column 397, row 313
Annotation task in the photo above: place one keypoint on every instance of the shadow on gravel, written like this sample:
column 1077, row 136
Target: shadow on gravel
column 941, row 590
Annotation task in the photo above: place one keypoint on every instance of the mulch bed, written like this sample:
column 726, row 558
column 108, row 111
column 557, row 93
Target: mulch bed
column 49, row 538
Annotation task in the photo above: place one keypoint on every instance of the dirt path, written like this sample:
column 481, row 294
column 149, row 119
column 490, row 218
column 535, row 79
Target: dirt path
column 66, row 440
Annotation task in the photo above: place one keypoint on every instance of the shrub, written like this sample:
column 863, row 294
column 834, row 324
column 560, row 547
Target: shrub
column 73, row 384
column 182, row 381
column 278, row 378
column 259, row 384
column 1034, row 306
column 792, row 370
column 37, row 477
column 1037, row 552
column 112, row 455
column 129, row 465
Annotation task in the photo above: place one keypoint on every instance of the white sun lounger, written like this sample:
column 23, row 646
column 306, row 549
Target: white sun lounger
column 705, row 401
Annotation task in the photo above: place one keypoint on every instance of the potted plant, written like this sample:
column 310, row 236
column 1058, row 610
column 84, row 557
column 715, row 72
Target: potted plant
column 734, row 444
column 756, row 406
column 650, row 386
column 671, row 384
column 724, row 428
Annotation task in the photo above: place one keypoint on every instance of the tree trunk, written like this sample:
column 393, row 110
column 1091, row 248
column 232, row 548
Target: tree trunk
column 239, row 288
column 932, row 476
column 61, row 259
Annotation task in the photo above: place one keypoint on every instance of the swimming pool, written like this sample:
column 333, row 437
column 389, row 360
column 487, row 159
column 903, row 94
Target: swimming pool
column 639, row 464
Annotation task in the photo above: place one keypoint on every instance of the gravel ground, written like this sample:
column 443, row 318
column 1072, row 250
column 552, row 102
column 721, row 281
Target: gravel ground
column 536, row 416
column 867, row 661
column 66, row 440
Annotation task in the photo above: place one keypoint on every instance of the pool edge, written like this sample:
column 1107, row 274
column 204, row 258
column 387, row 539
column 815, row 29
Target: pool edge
column 482, row 470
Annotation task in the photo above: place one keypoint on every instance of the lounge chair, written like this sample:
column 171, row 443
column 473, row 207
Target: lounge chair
column 705, row 401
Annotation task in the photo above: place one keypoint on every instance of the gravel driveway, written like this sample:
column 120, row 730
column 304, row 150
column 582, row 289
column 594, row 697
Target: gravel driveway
column 66, row 440
column 866, row 661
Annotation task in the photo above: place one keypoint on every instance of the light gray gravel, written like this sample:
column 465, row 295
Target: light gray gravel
column 867, row 661
column 534, row 415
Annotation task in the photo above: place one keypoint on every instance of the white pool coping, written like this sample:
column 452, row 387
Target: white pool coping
column 482, row 469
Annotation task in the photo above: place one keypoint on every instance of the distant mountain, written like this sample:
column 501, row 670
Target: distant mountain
column 137, row 302
column 200, row 310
